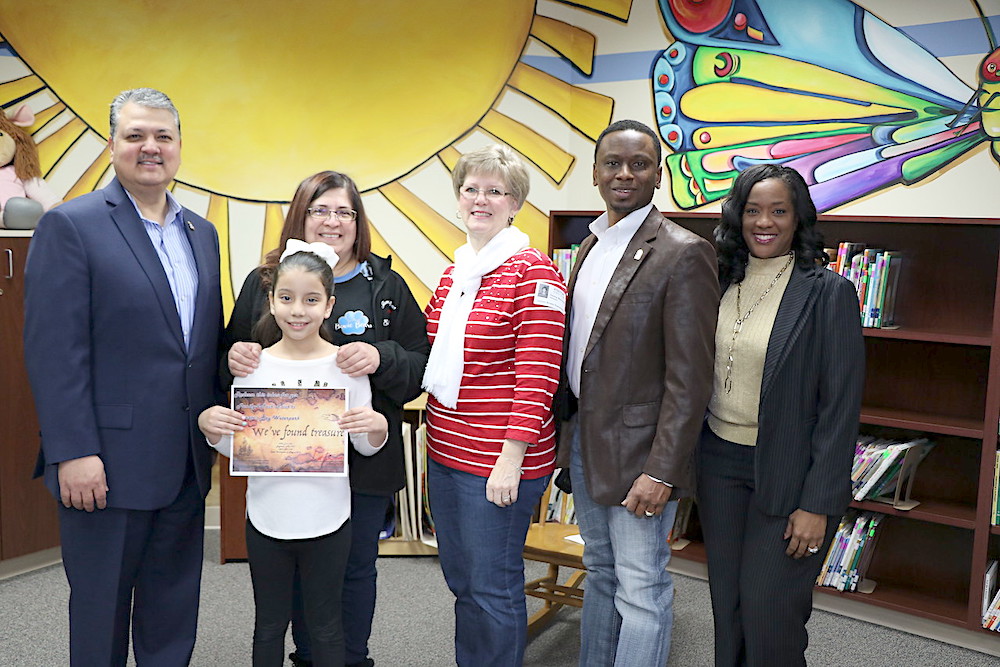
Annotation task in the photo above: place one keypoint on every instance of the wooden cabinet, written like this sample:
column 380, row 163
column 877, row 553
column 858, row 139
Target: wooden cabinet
column 937, row 374
column 28, row 521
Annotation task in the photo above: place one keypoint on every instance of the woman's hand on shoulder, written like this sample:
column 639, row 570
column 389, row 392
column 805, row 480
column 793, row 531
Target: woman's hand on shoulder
column 358, row 359
column 243, row 358
column 805, row 533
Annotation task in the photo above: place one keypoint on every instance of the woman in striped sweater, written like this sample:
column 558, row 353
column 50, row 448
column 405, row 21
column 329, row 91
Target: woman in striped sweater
column 496, row 323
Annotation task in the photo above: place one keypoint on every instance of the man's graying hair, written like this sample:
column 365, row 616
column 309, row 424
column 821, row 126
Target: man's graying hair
column 144, row 97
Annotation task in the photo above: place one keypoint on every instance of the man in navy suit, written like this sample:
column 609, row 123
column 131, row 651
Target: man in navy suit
column 123, row 320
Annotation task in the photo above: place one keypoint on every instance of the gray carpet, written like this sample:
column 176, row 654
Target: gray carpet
column 413, row 624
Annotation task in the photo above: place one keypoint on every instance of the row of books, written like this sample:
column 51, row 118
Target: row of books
column 564, row 258
column 996, row 490
column 991, row 598
column 879, row 461
column 851, row 551
column 561, row 508
column 411, row 519
column 875, row 274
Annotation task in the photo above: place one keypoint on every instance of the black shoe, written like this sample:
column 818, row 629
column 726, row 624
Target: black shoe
column 298, row 661
column 367, row 662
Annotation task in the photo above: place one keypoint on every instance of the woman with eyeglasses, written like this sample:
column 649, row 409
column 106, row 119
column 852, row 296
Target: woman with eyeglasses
column 380, row 332
column 496, row 325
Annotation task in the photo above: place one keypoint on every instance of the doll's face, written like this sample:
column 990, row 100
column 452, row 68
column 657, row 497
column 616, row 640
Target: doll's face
column 7, row 149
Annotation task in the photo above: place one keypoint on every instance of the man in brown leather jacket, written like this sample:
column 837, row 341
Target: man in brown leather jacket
column 637, row 377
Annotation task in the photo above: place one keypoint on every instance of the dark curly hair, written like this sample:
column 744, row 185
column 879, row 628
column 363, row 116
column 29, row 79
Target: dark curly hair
column 807, row 242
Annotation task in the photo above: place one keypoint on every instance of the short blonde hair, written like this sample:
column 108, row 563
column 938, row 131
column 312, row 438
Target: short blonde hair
column 495, row 160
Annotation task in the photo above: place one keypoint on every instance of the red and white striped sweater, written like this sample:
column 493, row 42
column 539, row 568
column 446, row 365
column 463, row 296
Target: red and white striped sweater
column 513, row 348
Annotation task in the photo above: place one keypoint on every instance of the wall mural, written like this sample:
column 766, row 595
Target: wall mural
column 393, row 92
column 270, row 93
column 825, row 87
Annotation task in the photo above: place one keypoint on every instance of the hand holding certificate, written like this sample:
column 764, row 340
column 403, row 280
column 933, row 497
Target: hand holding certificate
column 289, row 431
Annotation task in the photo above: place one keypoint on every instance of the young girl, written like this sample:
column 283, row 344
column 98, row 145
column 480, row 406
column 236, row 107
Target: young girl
column 299, row 523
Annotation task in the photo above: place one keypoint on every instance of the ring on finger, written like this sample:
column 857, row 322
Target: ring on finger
column 812, row 550
column 648, row 513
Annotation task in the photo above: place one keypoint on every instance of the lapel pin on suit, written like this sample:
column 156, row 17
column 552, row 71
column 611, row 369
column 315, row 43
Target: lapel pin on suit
column 638, row 255
column 190, row 225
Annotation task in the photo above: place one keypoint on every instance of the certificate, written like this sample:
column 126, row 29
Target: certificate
column 289, row 432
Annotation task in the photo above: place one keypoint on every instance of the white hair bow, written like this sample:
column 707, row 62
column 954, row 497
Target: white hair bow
column 327, row 253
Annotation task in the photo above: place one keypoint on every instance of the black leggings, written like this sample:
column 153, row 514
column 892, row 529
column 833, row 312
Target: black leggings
column 320, row 562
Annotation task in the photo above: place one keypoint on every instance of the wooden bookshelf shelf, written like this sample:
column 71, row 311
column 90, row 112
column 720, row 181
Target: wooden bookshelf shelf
column 908, row 601
column 932, row 511
column 976, row 339
column 937, row 374
column 914, row 420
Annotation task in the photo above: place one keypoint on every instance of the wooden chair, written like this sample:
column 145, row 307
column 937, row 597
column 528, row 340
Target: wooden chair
column 547, row 543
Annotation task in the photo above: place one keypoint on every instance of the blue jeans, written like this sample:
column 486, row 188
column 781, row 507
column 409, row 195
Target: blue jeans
column 358, row 598
column 628, row 603
column 480, row 546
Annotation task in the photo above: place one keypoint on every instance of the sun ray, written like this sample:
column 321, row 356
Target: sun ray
column 218, row 213
column 618, row 9
column 91, row 178
column 20, row 88
column 546, row 155
column 43, row 117
column 535, row 224
column 585, row 110
column 274, row 220
column 56, row 144
column 420, row 291
column 449, row 156
column 445, row 236
column 574, row 44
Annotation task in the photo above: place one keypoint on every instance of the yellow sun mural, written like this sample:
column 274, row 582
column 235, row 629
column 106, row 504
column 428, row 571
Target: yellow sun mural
column 272, row 92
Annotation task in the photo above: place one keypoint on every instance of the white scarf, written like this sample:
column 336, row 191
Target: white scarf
column 443, row 376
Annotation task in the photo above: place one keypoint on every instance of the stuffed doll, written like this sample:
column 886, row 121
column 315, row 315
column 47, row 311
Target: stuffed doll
column 24, row 196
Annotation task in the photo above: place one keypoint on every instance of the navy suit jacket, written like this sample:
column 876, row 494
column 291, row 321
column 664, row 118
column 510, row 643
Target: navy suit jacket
column 105, row 353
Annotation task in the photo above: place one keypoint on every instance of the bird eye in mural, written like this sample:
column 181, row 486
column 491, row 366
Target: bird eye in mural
column 271, row 92
column 824, row 86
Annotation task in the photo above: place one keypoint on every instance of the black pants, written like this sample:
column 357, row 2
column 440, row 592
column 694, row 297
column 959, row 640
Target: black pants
column 320, row 563
column 761, row 598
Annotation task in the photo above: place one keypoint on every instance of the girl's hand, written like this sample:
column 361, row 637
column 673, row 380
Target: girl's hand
column 365, row 420
column 805, row 532
column 218, row 421
column 505, row 478
column 243, row 358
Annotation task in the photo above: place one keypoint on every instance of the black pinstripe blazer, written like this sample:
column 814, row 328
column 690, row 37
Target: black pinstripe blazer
column 810, row 399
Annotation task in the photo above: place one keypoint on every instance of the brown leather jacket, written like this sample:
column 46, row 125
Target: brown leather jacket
column 647, row 371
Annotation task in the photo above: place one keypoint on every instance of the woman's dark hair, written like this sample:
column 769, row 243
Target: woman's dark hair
column 807, row 241
column 295, row 221
column 266, row 330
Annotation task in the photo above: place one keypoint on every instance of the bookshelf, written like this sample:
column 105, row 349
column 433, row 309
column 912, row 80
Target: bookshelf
column 937, row 374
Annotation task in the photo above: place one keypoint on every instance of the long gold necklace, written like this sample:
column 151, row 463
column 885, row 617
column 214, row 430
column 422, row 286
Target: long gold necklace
column 740, row 319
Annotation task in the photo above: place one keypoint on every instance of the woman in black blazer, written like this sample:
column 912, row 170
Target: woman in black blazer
column 774, row 463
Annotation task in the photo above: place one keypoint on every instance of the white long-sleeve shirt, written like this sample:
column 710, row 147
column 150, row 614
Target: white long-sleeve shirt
column 291, row 508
